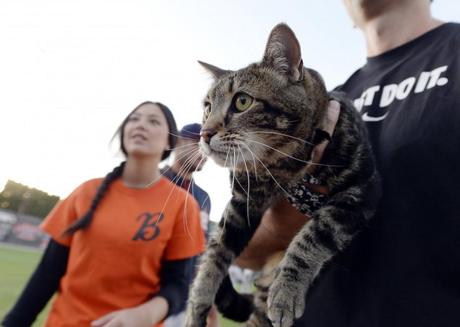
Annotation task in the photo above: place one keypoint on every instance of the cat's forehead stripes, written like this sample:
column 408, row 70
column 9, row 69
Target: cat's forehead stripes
column 224, row 86
column 256, row 81
column 230, row 84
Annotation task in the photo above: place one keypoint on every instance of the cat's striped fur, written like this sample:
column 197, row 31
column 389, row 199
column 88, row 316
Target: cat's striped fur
column 260, row 122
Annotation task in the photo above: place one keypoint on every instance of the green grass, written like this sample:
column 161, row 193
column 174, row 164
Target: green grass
column 16, row 266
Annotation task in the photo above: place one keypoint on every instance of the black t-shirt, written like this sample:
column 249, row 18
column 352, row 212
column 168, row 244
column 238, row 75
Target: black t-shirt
column 404, row 269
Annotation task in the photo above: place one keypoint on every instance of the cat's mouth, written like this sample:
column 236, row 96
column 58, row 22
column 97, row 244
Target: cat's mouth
column 232, row 157
column 222, row 158
column 214, row 151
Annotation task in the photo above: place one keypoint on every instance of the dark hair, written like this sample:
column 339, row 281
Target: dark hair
column 84, row 221
column 169, row 120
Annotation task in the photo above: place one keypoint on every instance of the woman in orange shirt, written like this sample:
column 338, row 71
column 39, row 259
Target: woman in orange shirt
column 121, row 247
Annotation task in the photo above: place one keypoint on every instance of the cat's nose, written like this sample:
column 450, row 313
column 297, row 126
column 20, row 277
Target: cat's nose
column 207, row 134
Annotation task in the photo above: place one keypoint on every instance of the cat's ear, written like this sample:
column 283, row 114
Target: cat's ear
column 215, row 71
column 282, row 52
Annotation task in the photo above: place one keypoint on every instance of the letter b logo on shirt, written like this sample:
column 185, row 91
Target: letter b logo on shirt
column 149, row 229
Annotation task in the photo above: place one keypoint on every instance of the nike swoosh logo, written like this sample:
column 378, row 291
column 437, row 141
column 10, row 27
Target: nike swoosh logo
column 366, row 117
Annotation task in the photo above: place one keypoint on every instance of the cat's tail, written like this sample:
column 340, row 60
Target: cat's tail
column 233, row 305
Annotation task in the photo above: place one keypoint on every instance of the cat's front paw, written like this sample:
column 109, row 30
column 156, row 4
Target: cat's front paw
column 286, row 301
column 196, row 315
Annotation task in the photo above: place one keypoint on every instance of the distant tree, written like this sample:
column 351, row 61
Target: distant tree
column 23, row 199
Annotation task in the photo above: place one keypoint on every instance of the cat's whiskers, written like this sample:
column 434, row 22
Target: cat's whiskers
column 225, row 213
column 280, row 134
column 183, row 155
column 162, row 174
column 235, row 159
column 226, row 157
column 226, row 147
column 190, row 145
column 182, row 137
column 166, row 202
column 249, row 187
column 189, row 163
column 183, row 170
column 236, row 154
column 233, row 169
column 253, row 161
column 234, row 140
column 268, row 171
column 289, row 156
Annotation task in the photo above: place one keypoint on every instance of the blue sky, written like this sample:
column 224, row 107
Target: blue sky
column 71, row 70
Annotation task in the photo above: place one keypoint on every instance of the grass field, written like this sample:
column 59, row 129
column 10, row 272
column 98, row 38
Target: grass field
column 16, row 265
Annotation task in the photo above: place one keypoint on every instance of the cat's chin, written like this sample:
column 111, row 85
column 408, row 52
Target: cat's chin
column 223, row 160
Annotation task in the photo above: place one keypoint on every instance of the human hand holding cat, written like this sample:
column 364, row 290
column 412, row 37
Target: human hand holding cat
column 331, row 118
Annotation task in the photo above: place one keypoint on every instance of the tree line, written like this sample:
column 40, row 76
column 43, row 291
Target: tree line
column 26, row 200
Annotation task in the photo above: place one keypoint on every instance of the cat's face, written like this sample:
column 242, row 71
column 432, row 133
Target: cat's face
column 250, row 113
column 261, row 113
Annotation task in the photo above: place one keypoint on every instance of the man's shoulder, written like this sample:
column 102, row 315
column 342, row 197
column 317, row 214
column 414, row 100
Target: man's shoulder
column 197, row 190
column 450, row 33
column 453, row 27
column 201, row 196
column 439, row 46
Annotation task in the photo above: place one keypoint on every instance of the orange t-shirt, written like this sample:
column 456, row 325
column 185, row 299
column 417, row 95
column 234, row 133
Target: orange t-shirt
column 115, row 263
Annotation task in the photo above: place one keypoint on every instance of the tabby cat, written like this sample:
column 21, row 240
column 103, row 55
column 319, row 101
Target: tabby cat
column 262, row 122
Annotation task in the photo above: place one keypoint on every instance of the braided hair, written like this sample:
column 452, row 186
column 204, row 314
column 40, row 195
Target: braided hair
column 84, row 221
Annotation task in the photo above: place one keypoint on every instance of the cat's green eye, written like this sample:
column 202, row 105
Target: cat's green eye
column 243, row 102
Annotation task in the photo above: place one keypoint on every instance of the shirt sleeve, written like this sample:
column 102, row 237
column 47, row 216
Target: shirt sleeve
column 176, row 276
column 62, row 216
column 187, row 238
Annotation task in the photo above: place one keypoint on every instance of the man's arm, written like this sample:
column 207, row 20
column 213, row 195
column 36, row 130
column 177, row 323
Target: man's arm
column 276, row 230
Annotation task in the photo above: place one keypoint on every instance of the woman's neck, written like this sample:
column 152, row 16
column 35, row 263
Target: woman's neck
column 141, row 173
